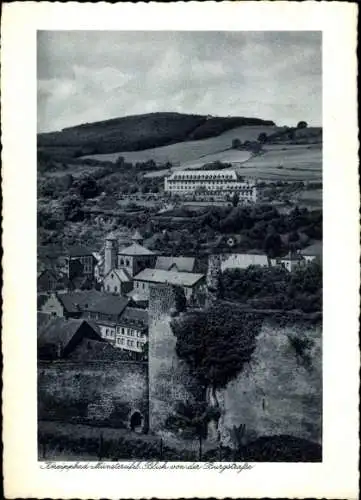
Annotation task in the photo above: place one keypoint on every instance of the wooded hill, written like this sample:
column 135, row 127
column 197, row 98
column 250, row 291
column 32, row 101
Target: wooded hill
column 135, row 133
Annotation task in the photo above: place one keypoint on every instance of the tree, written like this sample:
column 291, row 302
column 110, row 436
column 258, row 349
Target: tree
column 262, row 138
column 180, row 299
column 236, row 144
column 235, row 199
column 216, row 343
column 291, row 134
column 72, row 209
column 193, row 417
column 88, row 188
column 272, row 244
column 302, row 124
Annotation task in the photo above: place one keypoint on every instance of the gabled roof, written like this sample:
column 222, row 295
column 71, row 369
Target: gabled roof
column 168, row 277
column 121, row 274
column 313, row 250
column 183, row 264
column 135, row 249
column 58, row 331
column 94, row 301
column 137, row 236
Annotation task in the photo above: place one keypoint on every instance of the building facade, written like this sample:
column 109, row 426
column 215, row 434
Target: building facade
column 118, row 282
column 214, row 182
column 189, row 282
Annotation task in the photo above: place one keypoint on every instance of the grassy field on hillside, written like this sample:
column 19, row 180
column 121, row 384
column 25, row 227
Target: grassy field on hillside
column 291, row 163
column 188, row 151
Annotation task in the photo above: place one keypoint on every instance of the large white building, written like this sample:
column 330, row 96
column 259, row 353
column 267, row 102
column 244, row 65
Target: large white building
column 211, row 182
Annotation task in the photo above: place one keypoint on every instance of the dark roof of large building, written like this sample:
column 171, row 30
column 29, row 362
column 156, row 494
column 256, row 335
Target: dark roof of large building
column 60, row 331
column 135, row 249
column 79, row 251
column 181, row 264
column 169, row 277
column 94, row 301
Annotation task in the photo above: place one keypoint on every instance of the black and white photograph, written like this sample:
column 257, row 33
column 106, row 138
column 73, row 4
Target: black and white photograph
column 181, row 250
column 179, row 274
column 179, row 246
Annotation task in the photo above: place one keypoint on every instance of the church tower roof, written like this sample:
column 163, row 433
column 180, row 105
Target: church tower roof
column 137, row 238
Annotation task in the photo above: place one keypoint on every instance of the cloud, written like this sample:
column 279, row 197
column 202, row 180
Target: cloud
column 87, row 76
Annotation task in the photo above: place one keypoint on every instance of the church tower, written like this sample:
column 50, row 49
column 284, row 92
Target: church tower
column 137, row 238
column 110, row 253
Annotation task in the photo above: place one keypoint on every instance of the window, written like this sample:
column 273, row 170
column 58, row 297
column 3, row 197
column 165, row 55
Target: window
column 108, row 288
column 122, row 262
column 127, row 263
column 122, row 331
column 122, row 341
column 112, row 275
column 143, row 286
column 115, row 289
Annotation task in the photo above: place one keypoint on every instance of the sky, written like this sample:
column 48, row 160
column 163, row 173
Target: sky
column 87, row 76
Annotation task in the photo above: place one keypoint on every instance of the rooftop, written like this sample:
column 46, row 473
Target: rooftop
column 137, row 236
column 313, row 250
column 168, row 277
column 135, row 249
column 79, row 251
column 181, row 263
column 94, row 301
column 121, row 274
column 59, row 330
column 133, row 315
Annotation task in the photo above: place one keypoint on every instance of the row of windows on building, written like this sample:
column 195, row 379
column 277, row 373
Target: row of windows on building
column 96, row 315
column 247, row 192
column 202, row 177
column 110, row 333
column 127, row 262
column 129, row 343
column 87, row 263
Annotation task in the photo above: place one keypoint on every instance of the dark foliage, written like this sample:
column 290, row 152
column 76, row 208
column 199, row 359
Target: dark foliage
column 216, row 342
column 276, row 288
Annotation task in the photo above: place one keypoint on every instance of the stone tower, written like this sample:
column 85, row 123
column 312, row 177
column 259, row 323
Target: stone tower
column 214, row 291
column 170, row 379
column 110, row 253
